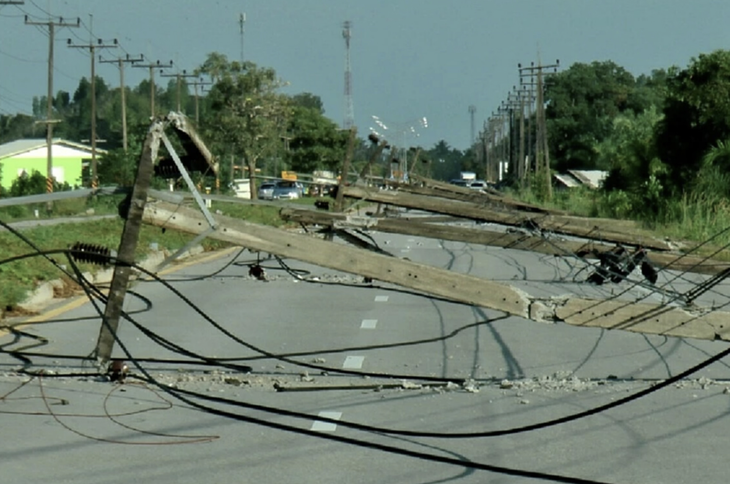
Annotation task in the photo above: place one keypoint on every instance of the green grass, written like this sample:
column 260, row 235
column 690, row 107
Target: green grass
column 62, row 208
column 18, row 278
column 260, row 214
column 691, row 219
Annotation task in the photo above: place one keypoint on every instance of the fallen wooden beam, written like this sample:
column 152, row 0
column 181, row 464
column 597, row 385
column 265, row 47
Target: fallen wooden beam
column 430, row 280
column 553, row 223
column 613, row 314
column 453, row 192
column 517, row 241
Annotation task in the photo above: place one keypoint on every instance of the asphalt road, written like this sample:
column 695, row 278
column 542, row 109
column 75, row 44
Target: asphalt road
column 506, row 372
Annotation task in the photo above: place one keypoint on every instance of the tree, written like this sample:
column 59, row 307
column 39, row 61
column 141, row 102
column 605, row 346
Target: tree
column 17, row 126
column 308, row 100
column 248, row 114
column 713, row 177
column 696, row 116
column 315, row 141
column 630, row 152
column 581, row 105
column 446, row 161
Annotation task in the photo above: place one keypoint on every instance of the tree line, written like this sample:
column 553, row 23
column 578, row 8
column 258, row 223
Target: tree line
column 660, row 136
column 243, row 116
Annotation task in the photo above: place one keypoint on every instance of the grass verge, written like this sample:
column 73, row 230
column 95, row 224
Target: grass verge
column 18, row 278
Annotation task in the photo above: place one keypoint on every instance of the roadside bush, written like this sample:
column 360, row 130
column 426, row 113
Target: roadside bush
column 34, row 184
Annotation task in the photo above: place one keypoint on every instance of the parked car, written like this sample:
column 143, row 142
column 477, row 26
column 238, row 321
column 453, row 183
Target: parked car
column 459, row 183
column 266, row 191
column 286, row 190
column 478, row 185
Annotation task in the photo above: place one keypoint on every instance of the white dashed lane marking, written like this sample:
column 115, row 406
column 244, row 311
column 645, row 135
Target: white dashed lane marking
column 381, row 298
column 353, row 362
column 321, row 426
column 368, row 324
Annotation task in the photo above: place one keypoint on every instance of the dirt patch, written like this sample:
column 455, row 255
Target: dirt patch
column 17, row 312
column 67, row 288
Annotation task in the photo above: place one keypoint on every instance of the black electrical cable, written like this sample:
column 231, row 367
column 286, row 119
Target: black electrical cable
column 231, row 262
column 385, row 448
column 526, row 428
column 348, row 440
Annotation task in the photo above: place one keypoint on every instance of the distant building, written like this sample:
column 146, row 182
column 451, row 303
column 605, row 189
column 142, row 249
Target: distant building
column 29, row 155
column 577, row 178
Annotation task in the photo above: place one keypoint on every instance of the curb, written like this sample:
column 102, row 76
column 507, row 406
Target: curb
column 43, row 295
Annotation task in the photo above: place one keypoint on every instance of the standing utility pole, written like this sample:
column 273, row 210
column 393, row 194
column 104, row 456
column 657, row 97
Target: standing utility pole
column 196, row 83
column 179, row 77
column 241, row 22
column 349, row 120
column 49, row 113
column 536, row 75
column 472, row 112
column 120, row 64
column 92, row 53
column 152, row 66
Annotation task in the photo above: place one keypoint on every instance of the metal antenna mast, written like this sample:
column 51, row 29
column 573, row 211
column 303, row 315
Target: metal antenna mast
column 241, row 21
column 349, row 120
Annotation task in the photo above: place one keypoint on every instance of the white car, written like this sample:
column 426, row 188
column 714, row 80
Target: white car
column 266, row 191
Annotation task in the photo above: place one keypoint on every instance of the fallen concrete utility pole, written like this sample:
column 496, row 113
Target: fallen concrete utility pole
column 552, row 223
column 614, row 314
column 197, row 151
column 431, row 187
column 435, row 281
column 517, row 241
column 128, row 245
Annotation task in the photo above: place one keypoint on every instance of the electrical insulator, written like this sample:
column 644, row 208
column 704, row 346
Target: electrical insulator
column 167, row 169
column 257, row 271
column 117, row 371
column 91, row 253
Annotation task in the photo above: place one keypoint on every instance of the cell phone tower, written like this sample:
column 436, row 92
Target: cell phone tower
column 349, row 120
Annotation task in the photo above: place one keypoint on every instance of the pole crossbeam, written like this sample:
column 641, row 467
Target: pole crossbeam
column 179, row 77
column 152, row 66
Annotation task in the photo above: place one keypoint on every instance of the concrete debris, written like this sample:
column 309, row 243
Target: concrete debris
column 471, row 386
column 407, row 385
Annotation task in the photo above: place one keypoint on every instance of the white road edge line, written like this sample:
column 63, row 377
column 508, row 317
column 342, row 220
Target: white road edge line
column 320, row 426
column 353, row 362
column 368, row 324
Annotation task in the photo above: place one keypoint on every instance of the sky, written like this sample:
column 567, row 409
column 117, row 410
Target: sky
column 410, row 58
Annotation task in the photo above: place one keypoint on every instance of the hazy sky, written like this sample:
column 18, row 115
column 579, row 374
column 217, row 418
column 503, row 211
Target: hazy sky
column 410, row 58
